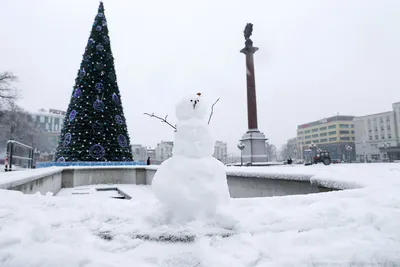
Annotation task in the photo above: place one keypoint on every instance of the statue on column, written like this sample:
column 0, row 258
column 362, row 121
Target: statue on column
column 248, row 30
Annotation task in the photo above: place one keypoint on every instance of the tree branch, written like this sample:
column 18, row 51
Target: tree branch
column 212, row 110
column 161, row 119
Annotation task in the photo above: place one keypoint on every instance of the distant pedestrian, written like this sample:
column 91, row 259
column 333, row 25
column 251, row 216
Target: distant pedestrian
column 148, row 161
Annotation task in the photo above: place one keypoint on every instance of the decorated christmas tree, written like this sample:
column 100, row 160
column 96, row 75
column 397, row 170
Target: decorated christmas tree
column 94, row 126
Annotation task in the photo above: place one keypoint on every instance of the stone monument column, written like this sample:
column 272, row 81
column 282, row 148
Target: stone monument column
column 253, row 140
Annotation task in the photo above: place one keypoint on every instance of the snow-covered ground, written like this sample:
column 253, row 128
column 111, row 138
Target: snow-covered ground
column 357, row 227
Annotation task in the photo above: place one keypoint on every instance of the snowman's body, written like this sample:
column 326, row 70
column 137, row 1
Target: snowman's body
column 192, row 183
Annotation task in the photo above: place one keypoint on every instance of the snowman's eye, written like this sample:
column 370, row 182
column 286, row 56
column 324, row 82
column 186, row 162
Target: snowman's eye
column 191, row 100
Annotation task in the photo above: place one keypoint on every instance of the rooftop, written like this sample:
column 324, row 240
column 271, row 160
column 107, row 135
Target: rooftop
column 326, row 120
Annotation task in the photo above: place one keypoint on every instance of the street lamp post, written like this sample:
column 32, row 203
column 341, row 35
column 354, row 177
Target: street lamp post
column 385, row 147
column 349, row 149
column 241, row 146
column 312, row 147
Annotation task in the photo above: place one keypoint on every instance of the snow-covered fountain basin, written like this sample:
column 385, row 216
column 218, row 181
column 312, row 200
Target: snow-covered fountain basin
column 242, row 182
column 343, row 228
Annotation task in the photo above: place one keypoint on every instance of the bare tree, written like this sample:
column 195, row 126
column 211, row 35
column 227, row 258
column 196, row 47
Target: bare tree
column 16, row 124
column 287, row 151
column 7, row 91
column 271, row 151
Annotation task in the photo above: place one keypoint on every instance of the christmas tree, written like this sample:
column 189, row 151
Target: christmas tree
column 94, row 125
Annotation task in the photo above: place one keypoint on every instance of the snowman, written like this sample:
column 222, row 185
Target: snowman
column 192, row 184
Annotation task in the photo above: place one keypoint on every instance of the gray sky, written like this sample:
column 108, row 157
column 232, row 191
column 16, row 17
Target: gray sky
column 316, row 58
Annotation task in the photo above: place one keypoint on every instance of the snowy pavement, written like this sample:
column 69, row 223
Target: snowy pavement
column 357, row 227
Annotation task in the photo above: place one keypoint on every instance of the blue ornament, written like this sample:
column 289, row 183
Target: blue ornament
column 67, row 139
column 119, row 120
column 97, row 127
column 82, row 73
column 122, row 140
column 104, row 23
column 91, row 41
column 97, row 151
column 98, row 28
column 99, row 86
column 115, row 98
column 100, row 47
column 77, row 92
column 98, row 104
column 61, row 159
column 72, row 115
column 100, row 15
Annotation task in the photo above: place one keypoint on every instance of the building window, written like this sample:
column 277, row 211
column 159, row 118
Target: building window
column 388, row 128
column 346, row 138
column 352, row 132
column 381, row 120
column 344, row 126
column 332, row 126
column 332, row 139
column 315, row 130
column 370, row 137
column 344, row 132
column 316, row 141
column 376, row 129
column 332, row 133
column 306, row 132
column 387, row 119
column 324, row 140
column 323, row 134
column 382, row 137
column 353, row 138
column 352, row 126
column 315, row 135
column 322, row 128
column 389, row 136
column 308, row 142
column 308, row 136
column 376, row 137
column 41, row 119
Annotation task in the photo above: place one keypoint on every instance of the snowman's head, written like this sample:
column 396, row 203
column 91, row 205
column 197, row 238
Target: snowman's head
column 191, row 107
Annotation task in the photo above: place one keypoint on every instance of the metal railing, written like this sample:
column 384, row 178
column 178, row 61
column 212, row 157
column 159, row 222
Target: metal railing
column 11, row 148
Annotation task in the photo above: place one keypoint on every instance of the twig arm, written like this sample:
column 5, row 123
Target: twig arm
column 212, row 110
column 161, row 119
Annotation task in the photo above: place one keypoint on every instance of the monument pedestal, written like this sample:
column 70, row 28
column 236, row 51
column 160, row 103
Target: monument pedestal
column 255, row 149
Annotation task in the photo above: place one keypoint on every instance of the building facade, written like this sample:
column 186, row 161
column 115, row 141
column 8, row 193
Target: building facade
column 334, row 134
column 50, row 122
column 221, row 151
column 377, row 136
column 163, row 150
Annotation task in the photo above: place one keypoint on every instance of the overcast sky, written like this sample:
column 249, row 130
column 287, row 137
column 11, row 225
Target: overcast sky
column 316, row 58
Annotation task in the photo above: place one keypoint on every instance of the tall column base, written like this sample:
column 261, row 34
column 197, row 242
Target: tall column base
column 255, row 150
